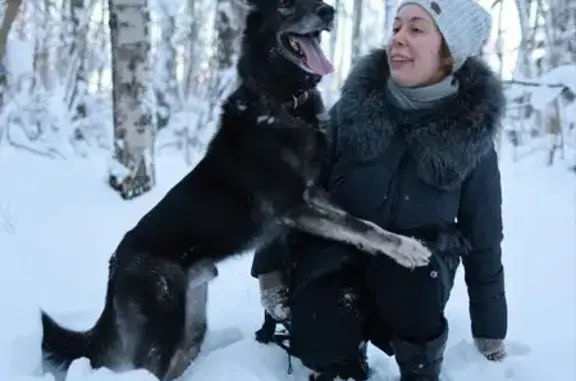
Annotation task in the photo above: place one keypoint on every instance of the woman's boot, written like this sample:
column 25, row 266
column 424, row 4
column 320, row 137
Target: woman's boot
column 355, row 368
column 421, row 361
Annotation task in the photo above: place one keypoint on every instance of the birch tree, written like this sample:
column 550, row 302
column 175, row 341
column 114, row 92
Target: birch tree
column 165, row 82
column 230, row 15
column 390, row 6
column 132, row 172
column 11, row 8
column 356, row 30
column 525, row 64
column 79, row 14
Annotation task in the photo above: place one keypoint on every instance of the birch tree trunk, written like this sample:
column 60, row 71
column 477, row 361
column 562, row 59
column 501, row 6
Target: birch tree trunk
column 230, row 21
column 77, row 52
column 132, row 172
column 390, row 6
column 228, row 33
column 357, row 31
column 191, row 53
column 165, row 83
column 42, row 74
column 229, row 25
column 103, row 44
column 524, row 64
column 11, row 8
column 330, row 84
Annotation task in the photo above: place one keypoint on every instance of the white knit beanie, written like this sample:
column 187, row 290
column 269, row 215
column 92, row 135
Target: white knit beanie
column 465, row 25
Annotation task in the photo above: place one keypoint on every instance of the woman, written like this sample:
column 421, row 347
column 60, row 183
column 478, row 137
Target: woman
column 412, row 150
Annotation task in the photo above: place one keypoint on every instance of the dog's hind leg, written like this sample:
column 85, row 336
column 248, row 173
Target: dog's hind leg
column 151, row 304
column 319, row 217
column 198, row 277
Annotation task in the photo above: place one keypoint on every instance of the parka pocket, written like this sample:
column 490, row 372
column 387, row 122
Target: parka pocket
column 447, row 263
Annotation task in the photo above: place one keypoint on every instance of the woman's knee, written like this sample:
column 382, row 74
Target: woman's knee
column 410, row 302
column 326, row 322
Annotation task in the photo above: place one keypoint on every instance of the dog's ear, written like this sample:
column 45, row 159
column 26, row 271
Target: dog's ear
column 251, row 5
column 246, row 4
column 259, row 5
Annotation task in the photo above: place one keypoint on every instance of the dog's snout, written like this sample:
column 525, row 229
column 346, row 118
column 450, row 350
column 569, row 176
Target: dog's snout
column 326, row 12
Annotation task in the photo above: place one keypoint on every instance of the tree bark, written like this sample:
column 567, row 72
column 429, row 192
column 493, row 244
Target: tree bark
column 11, row 8
column 78, row 50
column 132, row 171
column 357, row 31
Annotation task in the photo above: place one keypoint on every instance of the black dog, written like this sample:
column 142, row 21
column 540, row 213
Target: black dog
column 258, row 178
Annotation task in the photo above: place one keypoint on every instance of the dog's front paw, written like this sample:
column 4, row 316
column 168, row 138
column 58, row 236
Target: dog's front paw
column 406, row 251
column 412, row 253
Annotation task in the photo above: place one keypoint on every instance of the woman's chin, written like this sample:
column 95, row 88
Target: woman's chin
column 403, row 77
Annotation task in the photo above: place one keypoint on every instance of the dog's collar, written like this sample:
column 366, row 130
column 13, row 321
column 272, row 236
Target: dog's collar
column 297, row 101
column 292, row 104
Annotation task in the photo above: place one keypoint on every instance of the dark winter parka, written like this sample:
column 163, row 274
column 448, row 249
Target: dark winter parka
column 429, row 173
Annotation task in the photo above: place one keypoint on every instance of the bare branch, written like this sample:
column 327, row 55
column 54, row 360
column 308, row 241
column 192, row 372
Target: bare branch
column 533, row 84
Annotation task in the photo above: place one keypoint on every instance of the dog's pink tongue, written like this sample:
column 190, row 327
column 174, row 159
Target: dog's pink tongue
column 315, row 57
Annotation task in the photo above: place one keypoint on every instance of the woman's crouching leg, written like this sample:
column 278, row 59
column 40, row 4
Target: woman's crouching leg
column 327, row 324
column 411, row 304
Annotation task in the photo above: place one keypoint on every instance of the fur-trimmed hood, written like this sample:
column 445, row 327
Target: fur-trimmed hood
column 446, row 141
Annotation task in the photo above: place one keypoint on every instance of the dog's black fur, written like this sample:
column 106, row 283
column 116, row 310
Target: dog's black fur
column 258, row 178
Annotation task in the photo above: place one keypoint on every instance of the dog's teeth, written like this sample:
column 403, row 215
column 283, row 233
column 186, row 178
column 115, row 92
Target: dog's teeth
column 295, row 45
column 262, row 118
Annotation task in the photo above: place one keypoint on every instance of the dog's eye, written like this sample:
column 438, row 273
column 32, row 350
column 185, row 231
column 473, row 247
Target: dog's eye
column 286, row 7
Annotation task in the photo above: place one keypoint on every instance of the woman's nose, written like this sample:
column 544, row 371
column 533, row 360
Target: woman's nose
column 399, row 38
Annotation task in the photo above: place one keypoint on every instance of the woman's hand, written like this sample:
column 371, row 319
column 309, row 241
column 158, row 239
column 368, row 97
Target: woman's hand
column 492, row 349
column 273, row 296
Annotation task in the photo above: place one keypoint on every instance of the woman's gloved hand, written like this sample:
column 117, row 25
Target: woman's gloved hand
column 274, row 295
column 492, row 349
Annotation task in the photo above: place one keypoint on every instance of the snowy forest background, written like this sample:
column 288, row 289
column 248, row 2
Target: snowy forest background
column 168, row 63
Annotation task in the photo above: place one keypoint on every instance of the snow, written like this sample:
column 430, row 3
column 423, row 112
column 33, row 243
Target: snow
column 18, row 59
column 565, row 74
column 541, row 96
column 59, row 223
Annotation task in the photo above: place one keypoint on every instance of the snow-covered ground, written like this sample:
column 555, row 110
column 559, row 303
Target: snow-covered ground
column 59, row 222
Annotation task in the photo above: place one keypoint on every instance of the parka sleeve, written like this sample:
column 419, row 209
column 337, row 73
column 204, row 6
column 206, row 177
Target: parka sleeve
column 480, row 220
column 271, row 257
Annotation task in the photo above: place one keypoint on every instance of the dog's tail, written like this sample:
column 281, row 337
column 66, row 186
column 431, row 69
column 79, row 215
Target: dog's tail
column 61, row 346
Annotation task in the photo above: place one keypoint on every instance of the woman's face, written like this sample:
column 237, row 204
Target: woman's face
column 414, row 49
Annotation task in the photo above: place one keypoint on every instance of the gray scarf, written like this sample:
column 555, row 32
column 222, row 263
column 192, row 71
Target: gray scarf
column 415, row 98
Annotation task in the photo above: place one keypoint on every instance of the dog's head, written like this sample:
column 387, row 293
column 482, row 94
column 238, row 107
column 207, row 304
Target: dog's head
column 285, row 35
